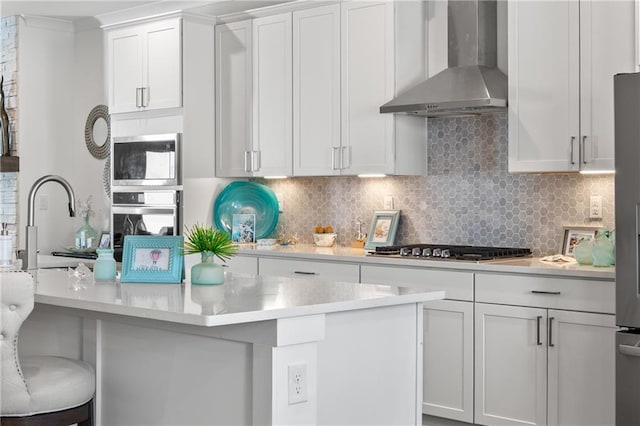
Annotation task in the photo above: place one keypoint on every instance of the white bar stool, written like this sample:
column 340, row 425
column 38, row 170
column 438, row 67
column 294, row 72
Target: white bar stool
column 37, row 390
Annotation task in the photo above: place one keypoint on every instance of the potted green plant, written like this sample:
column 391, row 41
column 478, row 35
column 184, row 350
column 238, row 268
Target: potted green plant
column 210, row 243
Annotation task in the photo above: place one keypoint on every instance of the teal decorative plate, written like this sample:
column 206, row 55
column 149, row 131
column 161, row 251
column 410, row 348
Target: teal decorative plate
column 242, row 197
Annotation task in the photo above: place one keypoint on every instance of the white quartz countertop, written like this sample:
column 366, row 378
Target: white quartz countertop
column 528, row 265
column 241, row 299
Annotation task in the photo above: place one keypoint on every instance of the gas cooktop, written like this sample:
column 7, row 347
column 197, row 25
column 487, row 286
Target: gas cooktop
column 451, row 252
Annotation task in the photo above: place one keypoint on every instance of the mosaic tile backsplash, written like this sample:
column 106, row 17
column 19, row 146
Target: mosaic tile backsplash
column 467, row 197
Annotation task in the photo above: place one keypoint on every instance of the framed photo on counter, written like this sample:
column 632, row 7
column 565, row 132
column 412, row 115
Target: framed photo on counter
column 152, row 259
column 573, row 235
column 384, row 227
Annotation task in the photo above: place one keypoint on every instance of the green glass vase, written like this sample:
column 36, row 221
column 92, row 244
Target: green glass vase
column 207, row 272
column 86, row 236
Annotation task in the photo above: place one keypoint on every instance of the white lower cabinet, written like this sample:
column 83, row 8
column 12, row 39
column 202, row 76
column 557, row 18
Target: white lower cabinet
column 448, row 336
column 511, row 365
column 581, row 368
column 348, row 272
column 537, row 365
column 448, row 360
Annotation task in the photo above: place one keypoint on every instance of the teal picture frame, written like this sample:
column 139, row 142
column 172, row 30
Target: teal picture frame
column 384, row 227
column 152, row 259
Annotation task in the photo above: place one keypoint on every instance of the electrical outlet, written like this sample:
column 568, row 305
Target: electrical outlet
column 388, row 202
column 297, row 383
column 43, row 202
column 280, row 199
column 595, row 207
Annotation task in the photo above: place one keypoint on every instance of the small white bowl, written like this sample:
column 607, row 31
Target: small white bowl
column 325, row 240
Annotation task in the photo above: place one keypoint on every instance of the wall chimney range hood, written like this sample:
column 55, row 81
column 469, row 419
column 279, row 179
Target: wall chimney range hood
column 472, row 84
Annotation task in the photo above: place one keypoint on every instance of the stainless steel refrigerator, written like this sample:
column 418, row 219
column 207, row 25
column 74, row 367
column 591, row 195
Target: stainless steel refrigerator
column 627, row 192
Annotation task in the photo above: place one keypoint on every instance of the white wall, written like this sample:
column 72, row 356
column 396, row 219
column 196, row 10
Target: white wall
column 60, row 75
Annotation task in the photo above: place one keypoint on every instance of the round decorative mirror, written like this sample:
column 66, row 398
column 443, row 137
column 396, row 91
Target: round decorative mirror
column 97, row 132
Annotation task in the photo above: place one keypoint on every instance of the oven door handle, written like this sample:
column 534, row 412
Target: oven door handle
column 144, row 210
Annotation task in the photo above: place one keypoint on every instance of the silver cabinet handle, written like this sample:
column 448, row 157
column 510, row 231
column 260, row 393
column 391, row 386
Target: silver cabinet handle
column 138, row 97
column 553, row 293
column 334, row 150
column 348, row 162
column 145, row 96
column 551, row 345
column 304, row 273
column 246, row 162
column 630, row 350
column 538, row 319
column 573, row 139
column 583, row 149
column 255, row 161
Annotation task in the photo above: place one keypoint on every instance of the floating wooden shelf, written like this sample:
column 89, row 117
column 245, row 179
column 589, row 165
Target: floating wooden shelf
column 9, row 164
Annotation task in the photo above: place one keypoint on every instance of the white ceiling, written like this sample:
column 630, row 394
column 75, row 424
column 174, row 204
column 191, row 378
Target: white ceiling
column 78, row 9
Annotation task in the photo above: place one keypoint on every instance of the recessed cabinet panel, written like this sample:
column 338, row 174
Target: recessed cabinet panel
column 272, row 96
column 607, row 47
column 163, row 65
column 544, row 120
column 511, row 365
column 124, row 69
column 233, row 98
column 367, row 83
column 448, row 360
column 316, row 91
column 581, row 369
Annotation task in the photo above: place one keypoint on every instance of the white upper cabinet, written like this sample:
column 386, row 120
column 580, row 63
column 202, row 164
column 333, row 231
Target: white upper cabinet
column 562, row 58
column 319, row 77
column 144, row 66
column 316, row 91
column 272, row 97
column 233, row 98
column 253, row 97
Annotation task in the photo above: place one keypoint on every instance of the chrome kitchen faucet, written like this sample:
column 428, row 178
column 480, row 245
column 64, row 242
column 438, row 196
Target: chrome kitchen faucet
column 30, row 255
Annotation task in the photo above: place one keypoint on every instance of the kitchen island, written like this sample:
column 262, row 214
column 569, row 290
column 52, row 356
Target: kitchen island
column 257, row 350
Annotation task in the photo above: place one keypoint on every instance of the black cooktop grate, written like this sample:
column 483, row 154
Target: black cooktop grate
column 456, row 252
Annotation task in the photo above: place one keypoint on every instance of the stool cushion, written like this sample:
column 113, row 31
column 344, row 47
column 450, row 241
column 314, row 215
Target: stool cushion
column 55, row 384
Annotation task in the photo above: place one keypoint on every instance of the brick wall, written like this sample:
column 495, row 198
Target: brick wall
column 9, row 69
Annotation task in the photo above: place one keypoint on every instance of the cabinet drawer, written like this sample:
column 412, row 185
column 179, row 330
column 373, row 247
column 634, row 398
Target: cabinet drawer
column 546, row 292
column 242, row 265
column 457, row 285
column 311, row 269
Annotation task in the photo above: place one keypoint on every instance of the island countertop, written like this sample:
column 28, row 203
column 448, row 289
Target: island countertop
column 241, row 299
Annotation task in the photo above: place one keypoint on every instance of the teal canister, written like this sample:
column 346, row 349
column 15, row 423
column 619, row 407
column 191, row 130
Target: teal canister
column 602, row 251
column 583, row 252
column 104, row 268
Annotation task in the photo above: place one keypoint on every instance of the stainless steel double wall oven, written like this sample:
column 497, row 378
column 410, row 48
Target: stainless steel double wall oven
column 146, row 187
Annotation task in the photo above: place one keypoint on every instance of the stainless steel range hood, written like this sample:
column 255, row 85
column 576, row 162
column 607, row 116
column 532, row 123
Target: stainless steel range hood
column 472, row 84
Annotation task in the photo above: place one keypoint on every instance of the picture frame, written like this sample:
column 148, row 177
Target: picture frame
column 573, row 235
column 152, row 259
column 383, row 229
column 105, row 240
column 243, row 228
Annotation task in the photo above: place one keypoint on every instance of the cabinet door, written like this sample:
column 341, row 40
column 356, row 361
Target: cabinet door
column 448, row 360
column 233, row 98
column 581, row 368
column 316, row 91
column 367, row 83
column 334, row 271
column 272, row 96
column 124, row 69
column 607, row 35
column 162, row 64
column 544, row 83
column 510, row 365
column 242, row 265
